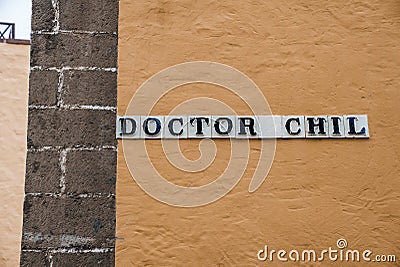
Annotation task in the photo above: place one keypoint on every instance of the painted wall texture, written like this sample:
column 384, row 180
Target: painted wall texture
column 307, row 57
column 14, row 73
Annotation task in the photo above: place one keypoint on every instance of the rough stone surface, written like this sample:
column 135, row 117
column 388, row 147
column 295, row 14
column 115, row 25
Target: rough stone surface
column 74, row 50
column 90, row 88
column 42, row 15
column 69, row 208
column 30, row 259
column 91, row 217
column 91, row 171
column 71, row 127
column 89, row 15
column 83, row 259
column 42, row 216
column 43, row 87
column 68, row 222
column 43, row 172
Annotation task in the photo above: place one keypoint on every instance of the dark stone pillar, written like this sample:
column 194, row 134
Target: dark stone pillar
column 69, row 208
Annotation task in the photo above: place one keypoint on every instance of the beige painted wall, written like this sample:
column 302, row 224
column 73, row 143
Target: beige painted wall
column 14, row 73
column 308, row 57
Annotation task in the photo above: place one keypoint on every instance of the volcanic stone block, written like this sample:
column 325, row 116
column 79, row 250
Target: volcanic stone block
column 43, row 172
column 74, row 50
column 29, row 259
column 68, row 222
column 91, row 171
column 43, row 221
column 43, row 15
column 83, row 259
column 91, row 217
column 87, row 15
column 90, row 88
column 43, row 88
column 71, row 128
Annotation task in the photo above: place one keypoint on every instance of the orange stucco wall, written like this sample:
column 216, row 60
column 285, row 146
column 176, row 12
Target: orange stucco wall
column 308, row 58
column 14, row 73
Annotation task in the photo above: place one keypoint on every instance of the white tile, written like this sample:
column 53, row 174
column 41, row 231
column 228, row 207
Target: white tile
column 247, row 127
column 204, row 128
column 336, row 126
column 316, row 126
column 226, row 125
column 128, row 127
column 270, row 126
column 356, row 126
column 178, row 126
column 153, row 125
column 293, row 127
